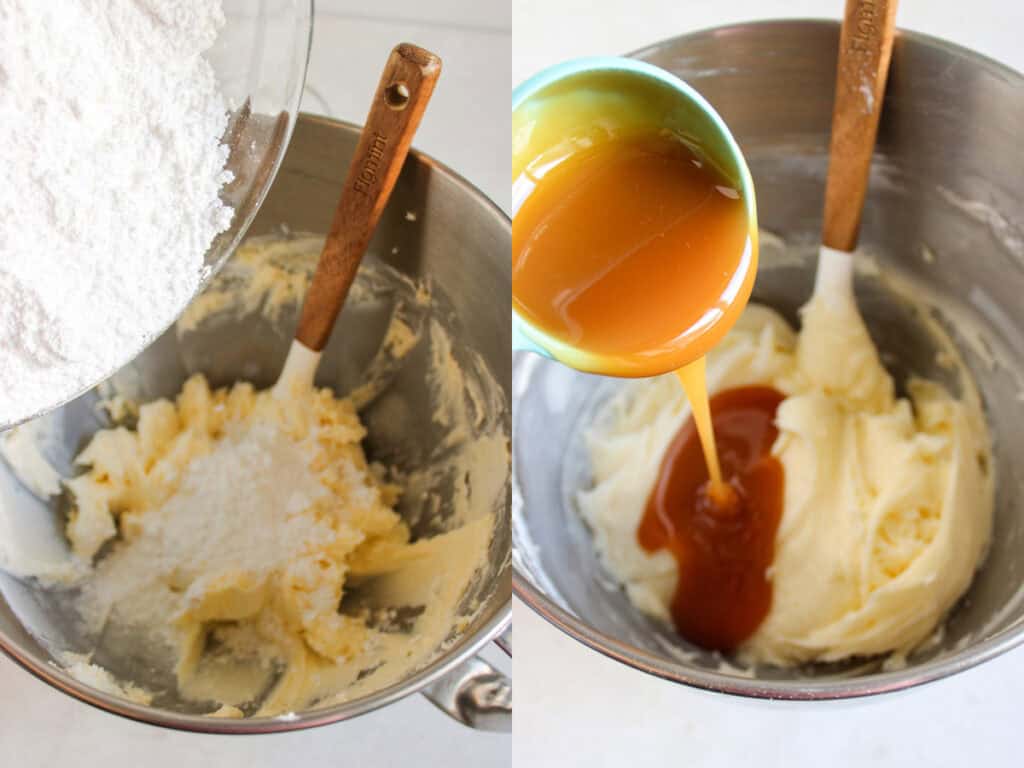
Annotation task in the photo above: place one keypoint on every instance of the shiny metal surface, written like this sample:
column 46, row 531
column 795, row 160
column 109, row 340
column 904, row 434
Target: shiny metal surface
column 945, row 214
column 475, row 694
column 460, row 241
column 260, row 59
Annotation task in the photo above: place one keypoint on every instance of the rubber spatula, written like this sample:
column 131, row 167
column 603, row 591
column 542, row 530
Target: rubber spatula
column 403, row 92
column 865, row 48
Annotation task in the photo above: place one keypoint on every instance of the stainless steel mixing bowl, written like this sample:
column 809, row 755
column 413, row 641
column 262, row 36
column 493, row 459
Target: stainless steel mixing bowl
column 945, row 214
column 459, row 241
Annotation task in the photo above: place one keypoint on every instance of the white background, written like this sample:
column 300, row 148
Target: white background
column 575, row 707
column 467, row 127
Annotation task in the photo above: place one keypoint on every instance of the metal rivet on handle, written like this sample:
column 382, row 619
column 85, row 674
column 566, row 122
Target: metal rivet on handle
column 397, row 96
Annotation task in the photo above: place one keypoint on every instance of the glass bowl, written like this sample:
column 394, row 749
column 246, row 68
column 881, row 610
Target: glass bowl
column 260, row 58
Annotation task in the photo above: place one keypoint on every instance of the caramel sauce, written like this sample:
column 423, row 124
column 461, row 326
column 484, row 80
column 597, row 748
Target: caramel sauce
column 723, row 545
column 633, row 255
column 636, row 251
column 694, row 380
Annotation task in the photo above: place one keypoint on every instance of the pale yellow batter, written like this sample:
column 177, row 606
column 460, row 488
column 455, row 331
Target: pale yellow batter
column 264, row 579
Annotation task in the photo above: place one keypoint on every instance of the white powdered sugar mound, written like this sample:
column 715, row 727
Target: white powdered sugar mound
column 241, row 508
column 110, row 167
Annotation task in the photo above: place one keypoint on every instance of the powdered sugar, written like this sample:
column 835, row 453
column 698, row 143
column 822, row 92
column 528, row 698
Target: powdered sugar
column 110, row 169
column 243, row 507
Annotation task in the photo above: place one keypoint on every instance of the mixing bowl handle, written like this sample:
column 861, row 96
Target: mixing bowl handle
column 476, row 694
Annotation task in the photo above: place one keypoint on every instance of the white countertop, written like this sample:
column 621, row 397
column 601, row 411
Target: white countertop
column 576, row 707
column 467, row 127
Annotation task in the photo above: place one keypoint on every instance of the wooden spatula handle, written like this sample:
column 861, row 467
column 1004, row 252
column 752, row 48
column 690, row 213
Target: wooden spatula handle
column 865, row 47
column 402, row 95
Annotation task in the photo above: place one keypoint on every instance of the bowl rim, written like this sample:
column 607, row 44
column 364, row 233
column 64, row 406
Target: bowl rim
column 496, row 625
column 872, row 684
column 820, row 21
